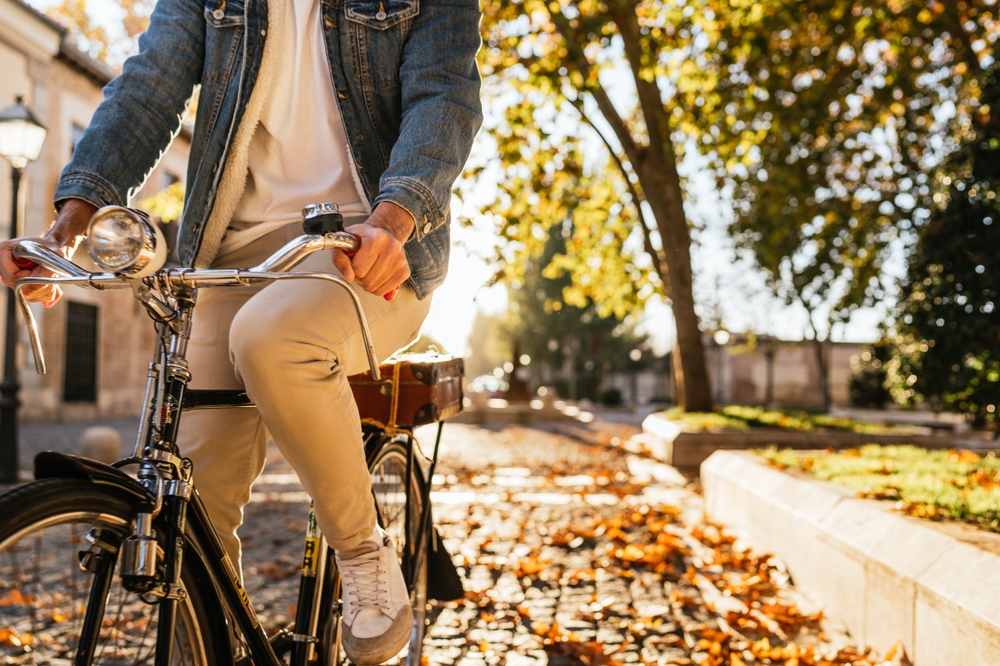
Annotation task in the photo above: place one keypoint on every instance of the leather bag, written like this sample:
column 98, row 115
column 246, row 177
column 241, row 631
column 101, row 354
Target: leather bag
column 416, row 389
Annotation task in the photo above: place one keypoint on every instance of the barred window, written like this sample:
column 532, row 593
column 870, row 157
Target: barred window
column 80, row 383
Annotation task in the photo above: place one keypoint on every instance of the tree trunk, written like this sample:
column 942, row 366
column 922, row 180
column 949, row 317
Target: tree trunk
column 819, row 345
column 824, row 373
column 655, row 167
column 678, row 373
column 769, row 387
column 663, row 193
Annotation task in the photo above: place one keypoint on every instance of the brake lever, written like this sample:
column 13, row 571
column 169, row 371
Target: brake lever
column 29, row 320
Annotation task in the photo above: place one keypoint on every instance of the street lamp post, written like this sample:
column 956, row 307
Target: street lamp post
column 721, row 338
column 21, row 138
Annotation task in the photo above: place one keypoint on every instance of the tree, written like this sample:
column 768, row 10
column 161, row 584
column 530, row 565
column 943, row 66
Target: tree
column 868, row 376
column 167, row 204
column 947, row 348
column 559, row 57
column 572, row 346
column 829, row 132
column 94, row 38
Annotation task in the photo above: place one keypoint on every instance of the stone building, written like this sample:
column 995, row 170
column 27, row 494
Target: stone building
column 780, row 373
column 97, row 344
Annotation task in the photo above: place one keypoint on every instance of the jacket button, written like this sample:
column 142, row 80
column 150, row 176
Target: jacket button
column 380, row 16
column 263, row 33
column 218, row 14
column 427, row 228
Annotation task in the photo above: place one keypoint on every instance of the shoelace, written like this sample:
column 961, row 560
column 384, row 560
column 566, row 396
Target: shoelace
column 360, row 576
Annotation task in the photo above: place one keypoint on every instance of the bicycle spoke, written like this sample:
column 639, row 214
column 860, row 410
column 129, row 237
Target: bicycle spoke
column 42, row 592
column 399, row 518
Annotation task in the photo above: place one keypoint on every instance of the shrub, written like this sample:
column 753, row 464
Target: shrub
column 611, row 397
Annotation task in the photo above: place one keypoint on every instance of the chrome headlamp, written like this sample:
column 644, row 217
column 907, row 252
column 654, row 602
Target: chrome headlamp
column 125, row 241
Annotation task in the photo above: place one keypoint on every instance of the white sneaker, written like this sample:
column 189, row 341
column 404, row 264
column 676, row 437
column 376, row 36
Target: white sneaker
column 377, row 617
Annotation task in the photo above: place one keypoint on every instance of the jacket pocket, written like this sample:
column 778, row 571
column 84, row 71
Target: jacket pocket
column 225, row 23
column 381, row 14
column 225, row 13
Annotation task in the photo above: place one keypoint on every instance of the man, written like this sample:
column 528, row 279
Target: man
column 372, row 104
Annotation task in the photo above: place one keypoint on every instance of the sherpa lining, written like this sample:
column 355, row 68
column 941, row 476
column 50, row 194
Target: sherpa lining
column 234, row 174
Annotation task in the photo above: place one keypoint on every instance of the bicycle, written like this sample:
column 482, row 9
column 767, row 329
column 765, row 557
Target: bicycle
column 177, row 598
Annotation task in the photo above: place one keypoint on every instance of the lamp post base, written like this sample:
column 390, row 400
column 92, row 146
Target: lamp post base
column 9, row 404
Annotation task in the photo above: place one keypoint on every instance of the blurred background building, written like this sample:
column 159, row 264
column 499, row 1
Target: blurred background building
column 97, row 345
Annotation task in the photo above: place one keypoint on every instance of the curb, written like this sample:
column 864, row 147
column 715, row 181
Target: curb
column 687, row 450
column 886, row 576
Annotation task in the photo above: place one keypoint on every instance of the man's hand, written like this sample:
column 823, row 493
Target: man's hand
column 380, row 265
column 63, row 237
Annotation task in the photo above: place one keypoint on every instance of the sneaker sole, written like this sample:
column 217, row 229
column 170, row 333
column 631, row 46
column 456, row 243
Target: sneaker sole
column 379, row 649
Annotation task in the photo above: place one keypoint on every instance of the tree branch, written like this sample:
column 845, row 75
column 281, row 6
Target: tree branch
column 591, row 83
column 650, row 101
column 658, row 259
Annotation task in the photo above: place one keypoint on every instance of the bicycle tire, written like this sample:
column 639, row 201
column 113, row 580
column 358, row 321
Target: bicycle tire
column 388, row 467
column 387, row 462
column 45, row 523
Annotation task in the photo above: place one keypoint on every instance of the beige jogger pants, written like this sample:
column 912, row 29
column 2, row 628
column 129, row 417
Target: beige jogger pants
column 292, row 345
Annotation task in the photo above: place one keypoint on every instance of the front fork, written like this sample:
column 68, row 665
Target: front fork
column 141, row 571
column 100, row 561
column 142, row 567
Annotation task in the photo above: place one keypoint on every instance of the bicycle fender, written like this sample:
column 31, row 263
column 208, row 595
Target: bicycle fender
column 54, row 465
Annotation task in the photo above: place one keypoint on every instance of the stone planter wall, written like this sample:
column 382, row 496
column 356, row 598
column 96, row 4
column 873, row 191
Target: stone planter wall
column 887, row 576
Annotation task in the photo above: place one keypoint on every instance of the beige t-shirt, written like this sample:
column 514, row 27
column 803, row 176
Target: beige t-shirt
column 299, row 153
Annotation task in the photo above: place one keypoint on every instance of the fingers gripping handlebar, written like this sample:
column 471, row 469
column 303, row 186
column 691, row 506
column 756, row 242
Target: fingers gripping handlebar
column 29, row 255
column 25, row 264
column 275, row 267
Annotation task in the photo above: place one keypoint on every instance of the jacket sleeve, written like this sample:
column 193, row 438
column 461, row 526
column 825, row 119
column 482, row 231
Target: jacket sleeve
column 442, row 112
column 142, row 109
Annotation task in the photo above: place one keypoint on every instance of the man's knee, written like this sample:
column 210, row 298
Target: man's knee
column 256, row 339
column 267, row 334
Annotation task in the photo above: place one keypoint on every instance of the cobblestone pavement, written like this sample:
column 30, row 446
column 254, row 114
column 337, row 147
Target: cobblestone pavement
column 572, row 551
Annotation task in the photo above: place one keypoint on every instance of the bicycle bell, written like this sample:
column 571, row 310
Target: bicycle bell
column 322, row 218
column 126, row 242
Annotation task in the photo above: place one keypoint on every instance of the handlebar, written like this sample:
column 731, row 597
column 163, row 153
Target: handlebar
column 275, row 267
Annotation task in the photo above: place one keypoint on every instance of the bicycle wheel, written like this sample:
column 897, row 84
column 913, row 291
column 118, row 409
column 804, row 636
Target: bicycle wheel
column 44, row 593
column 401, row 520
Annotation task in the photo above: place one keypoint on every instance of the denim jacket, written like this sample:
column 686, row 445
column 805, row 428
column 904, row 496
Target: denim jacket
column 404, row 72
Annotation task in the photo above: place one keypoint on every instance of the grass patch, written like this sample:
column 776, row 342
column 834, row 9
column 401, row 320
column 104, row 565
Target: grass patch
column 705, row 420
column 958, row 485
column 737, row 417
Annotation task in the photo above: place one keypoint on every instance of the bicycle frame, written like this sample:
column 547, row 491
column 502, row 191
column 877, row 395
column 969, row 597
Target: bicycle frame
column 163, row 488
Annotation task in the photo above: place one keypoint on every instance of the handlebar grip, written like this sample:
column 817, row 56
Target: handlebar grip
column 392, row 293
column 24, row 264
